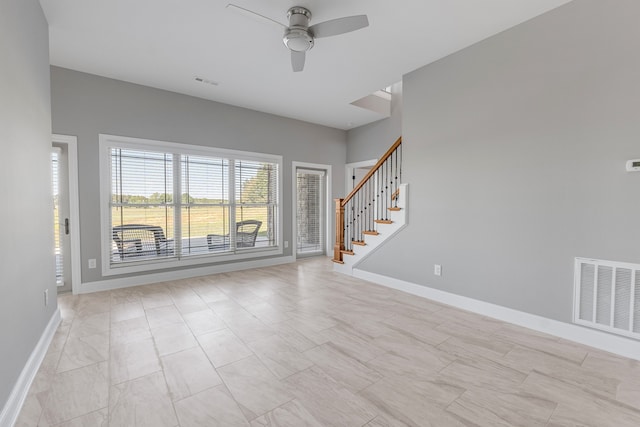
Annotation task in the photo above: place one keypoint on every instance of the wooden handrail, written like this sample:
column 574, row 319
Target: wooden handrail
column 372, row 171
column 339, row 247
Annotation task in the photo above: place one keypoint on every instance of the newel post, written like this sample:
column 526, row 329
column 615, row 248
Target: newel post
column 339, row 246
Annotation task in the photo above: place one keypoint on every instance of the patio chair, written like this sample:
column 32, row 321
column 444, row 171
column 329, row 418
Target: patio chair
column 246, row 234
column 139, row 240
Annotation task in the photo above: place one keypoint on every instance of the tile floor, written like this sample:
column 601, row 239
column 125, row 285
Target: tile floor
column 298, row 345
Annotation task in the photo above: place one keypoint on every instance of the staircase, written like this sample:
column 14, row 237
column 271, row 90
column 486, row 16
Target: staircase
column 372, row 212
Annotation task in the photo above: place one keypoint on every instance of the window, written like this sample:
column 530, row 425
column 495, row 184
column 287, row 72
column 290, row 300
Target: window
column 141, row 204
column 179, row 204
column 256, row 196
column 205, row 203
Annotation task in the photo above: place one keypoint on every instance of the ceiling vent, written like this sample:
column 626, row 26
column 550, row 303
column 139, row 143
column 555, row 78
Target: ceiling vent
column 607, row 296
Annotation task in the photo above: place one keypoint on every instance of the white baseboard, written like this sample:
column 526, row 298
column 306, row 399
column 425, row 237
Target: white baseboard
column 145, row 279
column 614, row 344
column 12, row 408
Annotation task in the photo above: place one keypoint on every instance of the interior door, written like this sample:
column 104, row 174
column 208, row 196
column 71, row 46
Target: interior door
column 358, row 174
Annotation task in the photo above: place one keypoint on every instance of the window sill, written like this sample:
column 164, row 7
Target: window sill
column 169, row 263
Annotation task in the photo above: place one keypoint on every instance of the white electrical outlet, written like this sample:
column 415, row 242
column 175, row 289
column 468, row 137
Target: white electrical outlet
column 46, row 297
column 286, row 244
column 92, row 263
column 437, row 270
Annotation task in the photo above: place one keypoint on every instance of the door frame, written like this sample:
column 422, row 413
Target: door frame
column 349, row 168
column 294, row 204
column 74, row 206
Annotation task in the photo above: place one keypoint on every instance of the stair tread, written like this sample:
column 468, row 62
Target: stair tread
column 337, row 262
column 383, row 221
column 358, row 242
column 394, row 209
column 370, row 233
column 347, row 252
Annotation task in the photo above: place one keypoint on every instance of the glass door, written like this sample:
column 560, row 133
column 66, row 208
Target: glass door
column 310, row 212
column 62, row 242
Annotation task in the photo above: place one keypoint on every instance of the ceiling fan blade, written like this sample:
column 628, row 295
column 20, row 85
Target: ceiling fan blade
column 297, row 60
column 339, row 26
column 254, row 15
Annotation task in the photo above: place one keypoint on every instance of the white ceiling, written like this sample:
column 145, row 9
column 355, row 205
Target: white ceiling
column 166, row 43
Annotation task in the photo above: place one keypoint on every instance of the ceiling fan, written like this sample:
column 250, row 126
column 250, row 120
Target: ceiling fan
column 299, row 36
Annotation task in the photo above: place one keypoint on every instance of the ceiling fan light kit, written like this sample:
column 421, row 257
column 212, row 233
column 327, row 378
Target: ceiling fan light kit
column 297, row 40
column 299, row 37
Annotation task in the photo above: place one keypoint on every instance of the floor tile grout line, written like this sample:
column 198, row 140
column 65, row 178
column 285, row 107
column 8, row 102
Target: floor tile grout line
column 552, row 413
column 57, row 364
column 231, row 393
column 49, row 387
column 83, row 415
column 271, row 410
column 109, row 385
column 216, row 368
column 164, row 376
column 589, row 391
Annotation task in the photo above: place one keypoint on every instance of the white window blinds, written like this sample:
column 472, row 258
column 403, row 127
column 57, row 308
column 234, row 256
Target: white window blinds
column 57, row 229
column 142, row 205
column 205, row 205
column 173, row 205
column 256, row 203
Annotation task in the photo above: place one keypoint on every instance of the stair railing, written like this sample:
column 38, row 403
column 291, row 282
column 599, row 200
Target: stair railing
column 369, row 203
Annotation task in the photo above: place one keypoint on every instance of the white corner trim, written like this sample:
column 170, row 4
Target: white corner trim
column 146, row 279
column 614, row 344
column 12, row 408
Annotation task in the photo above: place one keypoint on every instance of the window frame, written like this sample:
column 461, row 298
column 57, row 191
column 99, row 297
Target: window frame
column 107, row 142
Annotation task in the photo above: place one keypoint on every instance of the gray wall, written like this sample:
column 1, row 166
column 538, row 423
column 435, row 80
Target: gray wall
column 515, row 153
column 86, row 105
column 373, row 140
column 26, row 220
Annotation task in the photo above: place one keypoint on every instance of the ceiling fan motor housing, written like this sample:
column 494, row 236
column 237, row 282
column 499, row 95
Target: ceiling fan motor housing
column 297, row 37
